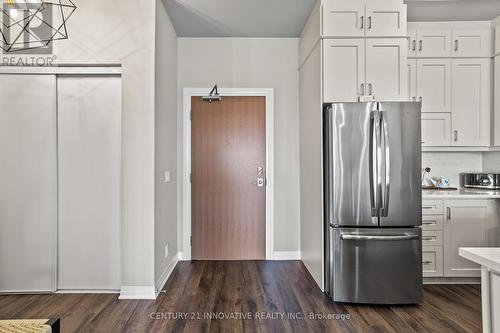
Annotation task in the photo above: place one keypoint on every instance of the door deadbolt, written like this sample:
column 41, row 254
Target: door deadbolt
column 260, row 182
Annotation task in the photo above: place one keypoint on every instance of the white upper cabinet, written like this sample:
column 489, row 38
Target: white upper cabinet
column 343, row 70
column 497, row 40
column 496, row 114
column 434, row 84
column 433, row 43
column 436, row 129
column 412, row 79
column 357, row 18
column 412, row 43
column 471, row 102
column 471, row 43
column 344, row 18
column 385, row 19
column 386, row 69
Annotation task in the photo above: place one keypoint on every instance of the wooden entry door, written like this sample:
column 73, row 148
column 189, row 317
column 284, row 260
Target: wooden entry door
column 228, row 147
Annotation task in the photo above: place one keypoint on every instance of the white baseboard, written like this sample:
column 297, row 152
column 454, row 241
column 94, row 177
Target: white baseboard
column 88, row 291
column 166, row 273
column 137, row 292
column 287, row 255
column 182, row 257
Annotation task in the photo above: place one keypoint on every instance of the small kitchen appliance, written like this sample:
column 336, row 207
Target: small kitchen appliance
column 487, row 181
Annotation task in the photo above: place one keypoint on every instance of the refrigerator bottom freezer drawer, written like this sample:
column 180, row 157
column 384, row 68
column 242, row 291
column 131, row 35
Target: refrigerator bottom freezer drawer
column 376, row 266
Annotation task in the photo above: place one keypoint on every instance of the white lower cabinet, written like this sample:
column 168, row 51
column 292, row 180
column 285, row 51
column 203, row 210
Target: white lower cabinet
column 461, row 223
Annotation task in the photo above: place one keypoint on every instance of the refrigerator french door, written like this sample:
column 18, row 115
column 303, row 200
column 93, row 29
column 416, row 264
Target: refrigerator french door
column 373, row 213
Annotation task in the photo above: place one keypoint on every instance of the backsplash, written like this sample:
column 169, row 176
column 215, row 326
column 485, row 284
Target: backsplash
column 491, row 162
column 451, row 164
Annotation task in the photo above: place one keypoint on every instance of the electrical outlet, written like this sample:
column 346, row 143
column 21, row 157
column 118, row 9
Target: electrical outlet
column 166, row 251
column 167, row 177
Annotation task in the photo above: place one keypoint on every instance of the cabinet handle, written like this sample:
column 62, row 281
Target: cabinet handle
column 456, row 45
column 363, row 91
column 420, row 45
column 428, row 222
column 414, row 98
column 427, row 207
column 428, row 238
column 420, row 99
column 455, row 135
column 369, row 22
column 448, row 213
column 370, row 89
column 414, row 47
column 426, row 262
column 362, row 22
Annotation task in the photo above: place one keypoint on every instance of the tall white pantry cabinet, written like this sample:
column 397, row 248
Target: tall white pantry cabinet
column 60, row 176
column 348, row 51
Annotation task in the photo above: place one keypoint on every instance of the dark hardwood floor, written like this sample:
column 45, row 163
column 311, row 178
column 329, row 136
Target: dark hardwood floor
column 199, row 289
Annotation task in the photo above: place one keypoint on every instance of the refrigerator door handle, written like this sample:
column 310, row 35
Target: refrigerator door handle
column 387, row 165
column 356, row 237
column 375, row 184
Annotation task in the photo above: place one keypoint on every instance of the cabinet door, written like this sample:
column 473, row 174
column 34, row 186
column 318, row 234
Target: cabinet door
column 471, row 43
column 434, row 43
column 465, row 226
column 497, row 40
column 434, row 84
column 385, row 19
column 89, row 111
column 28, row 183
column 386, row 69
column 471, row 102
column 343, row 69
column 496, row 99
column 343, row 18
column 412, row 43
column 432, row 261
column 436, row 129
column 412, row 79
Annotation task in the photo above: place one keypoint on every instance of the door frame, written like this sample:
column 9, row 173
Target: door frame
column 268, row 93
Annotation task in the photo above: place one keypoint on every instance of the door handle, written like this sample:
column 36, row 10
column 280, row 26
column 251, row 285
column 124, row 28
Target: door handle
column 387, row 165
column 356, row 237
column 362, row 90
column 374, row 163
column 260, row 182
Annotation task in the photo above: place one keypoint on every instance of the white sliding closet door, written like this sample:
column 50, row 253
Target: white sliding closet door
column 89, row 121
column 27, row 183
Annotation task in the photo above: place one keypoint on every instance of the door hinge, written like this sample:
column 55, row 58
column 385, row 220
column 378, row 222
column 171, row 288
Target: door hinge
column 190, row 177
column 190, row 114
column 190, row 240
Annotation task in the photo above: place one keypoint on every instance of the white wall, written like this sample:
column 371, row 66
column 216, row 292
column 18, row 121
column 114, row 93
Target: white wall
column 255, row 63
column 450, row 164
column 165, row 141
column 122, row 31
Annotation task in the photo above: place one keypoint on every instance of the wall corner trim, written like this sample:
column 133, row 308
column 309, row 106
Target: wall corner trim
column 287, row 255
column 137, row 292
column 166, row 274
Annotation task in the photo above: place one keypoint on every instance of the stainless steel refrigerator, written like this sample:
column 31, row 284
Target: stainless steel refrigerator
column 373, row 202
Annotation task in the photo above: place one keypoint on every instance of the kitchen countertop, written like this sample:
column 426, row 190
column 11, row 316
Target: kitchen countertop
column 461, row 193
column 485, row 256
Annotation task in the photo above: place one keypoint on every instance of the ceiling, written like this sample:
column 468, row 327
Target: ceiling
column 286, row 18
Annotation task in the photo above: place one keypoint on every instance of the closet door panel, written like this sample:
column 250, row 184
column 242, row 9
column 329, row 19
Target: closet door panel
column 27, row 183
column 89, row 121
